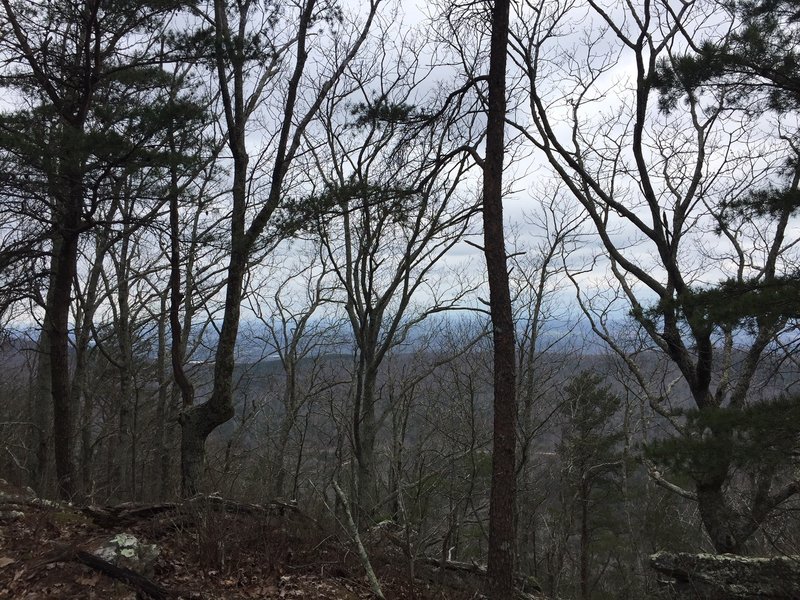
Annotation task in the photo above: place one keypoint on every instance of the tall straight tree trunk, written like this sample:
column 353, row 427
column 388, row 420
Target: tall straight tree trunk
column 42, row 410
column 502, row 498
column 57, row 323
column 161, row 408
column 66, row 187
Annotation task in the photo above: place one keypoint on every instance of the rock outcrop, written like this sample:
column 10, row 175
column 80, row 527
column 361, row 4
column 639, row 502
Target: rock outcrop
column 727, row 576
column 125, row 550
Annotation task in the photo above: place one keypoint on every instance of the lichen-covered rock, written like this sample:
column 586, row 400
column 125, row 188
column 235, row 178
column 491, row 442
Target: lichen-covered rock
column 12, row 493
column 727, row 576
column 125, row 550
column 15, row 496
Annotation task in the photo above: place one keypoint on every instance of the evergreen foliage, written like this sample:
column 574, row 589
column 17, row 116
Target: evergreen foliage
column 591, row 439
column 593, row 463
column 755, row 439
column 392, row 200
column 755, row 69
column 759, row 60
column 734, row 304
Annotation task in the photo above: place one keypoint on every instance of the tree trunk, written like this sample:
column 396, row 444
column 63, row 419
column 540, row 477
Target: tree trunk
column 365, row 435
column 718, row 519
column 125, row 437
column 42, row 415
column 723, row 523
column 57, row 323
column 193, row 440
column 124, row 367
column 86, row 449
column 502, row 500
column 198, row 421
column 161, row 408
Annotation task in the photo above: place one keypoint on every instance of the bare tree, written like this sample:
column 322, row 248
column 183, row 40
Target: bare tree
column 548, row 344
column 396, row 208
column 544, row 324
column 294, row 328
column 241, row 35
column 503, row 498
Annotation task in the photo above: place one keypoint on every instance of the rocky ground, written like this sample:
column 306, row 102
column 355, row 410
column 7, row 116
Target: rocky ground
column 203, row 551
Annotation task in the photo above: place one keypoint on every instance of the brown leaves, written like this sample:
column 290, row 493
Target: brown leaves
column 89, row 581
column 265, row 558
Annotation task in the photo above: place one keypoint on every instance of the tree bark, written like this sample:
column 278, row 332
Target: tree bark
column 193, row 440
column 502, row 500
column 161, row 408
column 365, row 435
column 57, row 323
column 42, row 415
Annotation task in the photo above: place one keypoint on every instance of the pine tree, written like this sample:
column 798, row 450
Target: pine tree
column 590, row 447
column 94, row 89
column 753, row 68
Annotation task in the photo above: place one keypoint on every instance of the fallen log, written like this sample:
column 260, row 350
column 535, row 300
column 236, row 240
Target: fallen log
column 522, row 582
column 384, row 531
column 453, row 565
column 727, row 576
column 144, row 586
column 129, row 513
column 15, row 499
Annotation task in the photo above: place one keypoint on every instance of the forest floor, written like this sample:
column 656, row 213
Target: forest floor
column 210, row 555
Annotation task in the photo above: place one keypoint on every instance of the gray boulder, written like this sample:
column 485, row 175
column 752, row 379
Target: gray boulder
column 125, row 550
column 728, row 576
